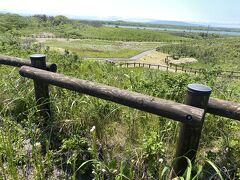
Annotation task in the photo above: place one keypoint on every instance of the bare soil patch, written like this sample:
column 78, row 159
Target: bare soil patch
column 183, row 61
column 154, row 57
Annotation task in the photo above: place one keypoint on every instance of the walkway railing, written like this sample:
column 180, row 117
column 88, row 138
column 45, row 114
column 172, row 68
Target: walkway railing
column 190, row 115
column 177, row 68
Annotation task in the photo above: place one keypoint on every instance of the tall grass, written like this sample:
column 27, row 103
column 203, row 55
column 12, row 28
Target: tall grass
column 125, row 138
column 126, row 144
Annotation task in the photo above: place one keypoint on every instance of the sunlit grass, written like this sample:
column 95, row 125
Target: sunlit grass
column 103, row 48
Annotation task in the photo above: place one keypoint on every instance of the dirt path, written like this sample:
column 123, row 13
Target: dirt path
column 109, row 59
column 134, row 58
column 149, row 56
column 42, row 40
column 141, row 55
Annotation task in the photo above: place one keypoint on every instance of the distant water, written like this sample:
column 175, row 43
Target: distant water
column 180, row 30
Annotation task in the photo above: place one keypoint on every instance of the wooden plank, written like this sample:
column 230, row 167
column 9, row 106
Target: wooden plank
column 169, row 109
column 18, row 62
column 224, row 108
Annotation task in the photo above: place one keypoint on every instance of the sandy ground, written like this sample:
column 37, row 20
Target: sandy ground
column 154, row 57
column 42, row 40
column 142, row 55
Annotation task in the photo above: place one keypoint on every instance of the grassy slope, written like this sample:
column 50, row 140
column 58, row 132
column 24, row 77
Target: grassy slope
column 130, row 134
column 107, row 33
column 103, row 48
column 128, row 141
column 76, row 29
column 221, row 53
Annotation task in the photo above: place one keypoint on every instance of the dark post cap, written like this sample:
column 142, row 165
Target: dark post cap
column 38, row 56
column 199, row 88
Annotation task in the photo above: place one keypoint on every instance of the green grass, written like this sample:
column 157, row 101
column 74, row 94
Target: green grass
column 65, row 27
column 106, row 33
column 103, row 48
column 125, row 142
column 128, row 138
column 128, row 34
column 220, row 53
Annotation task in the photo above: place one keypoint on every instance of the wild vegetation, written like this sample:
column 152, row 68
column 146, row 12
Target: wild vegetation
column 91, row 138
column 102, row 48
column 185, row 26
column 63, row 27
column 219, row 53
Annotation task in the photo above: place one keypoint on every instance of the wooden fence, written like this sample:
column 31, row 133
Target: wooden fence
column 190, row 115
column 178, row 68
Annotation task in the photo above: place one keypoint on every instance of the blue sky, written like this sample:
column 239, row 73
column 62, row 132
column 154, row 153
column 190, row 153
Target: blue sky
column 219, row 11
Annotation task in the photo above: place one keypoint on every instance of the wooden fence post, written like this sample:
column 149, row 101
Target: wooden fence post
column 189, row 136
column 41, row 88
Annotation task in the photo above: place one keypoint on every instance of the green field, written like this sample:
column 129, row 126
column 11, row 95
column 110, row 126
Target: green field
column 61, row 26
column 91, row 138
column 103, row 48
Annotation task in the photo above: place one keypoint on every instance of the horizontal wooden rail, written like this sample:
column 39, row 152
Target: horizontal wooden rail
column 18, row 62
column 224, row 108
column 176, row 68
column 191, row 114
column 169, row 109
column 215, row 106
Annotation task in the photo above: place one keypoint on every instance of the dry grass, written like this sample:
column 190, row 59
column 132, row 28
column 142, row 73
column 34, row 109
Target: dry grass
column 159, row 58
column 183, row 61
column 154, row 58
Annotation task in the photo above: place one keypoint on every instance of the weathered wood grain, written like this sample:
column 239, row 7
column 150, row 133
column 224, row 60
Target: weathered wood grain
column 224, row 108
column 18, row 62
column 189, row 136
column 169, row 109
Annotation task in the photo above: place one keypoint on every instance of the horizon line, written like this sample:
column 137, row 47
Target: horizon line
column 130, row 19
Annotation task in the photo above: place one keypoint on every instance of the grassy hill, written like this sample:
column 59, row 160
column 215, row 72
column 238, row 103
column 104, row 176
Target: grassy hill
column 62, row 26
column 91, row 138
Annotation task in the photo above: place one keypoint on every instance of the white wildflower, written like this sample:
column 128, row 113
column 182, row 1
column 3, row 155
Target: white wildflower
column 115, row 171
column 160, row 160
column 37, row 145
column 93, row 129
